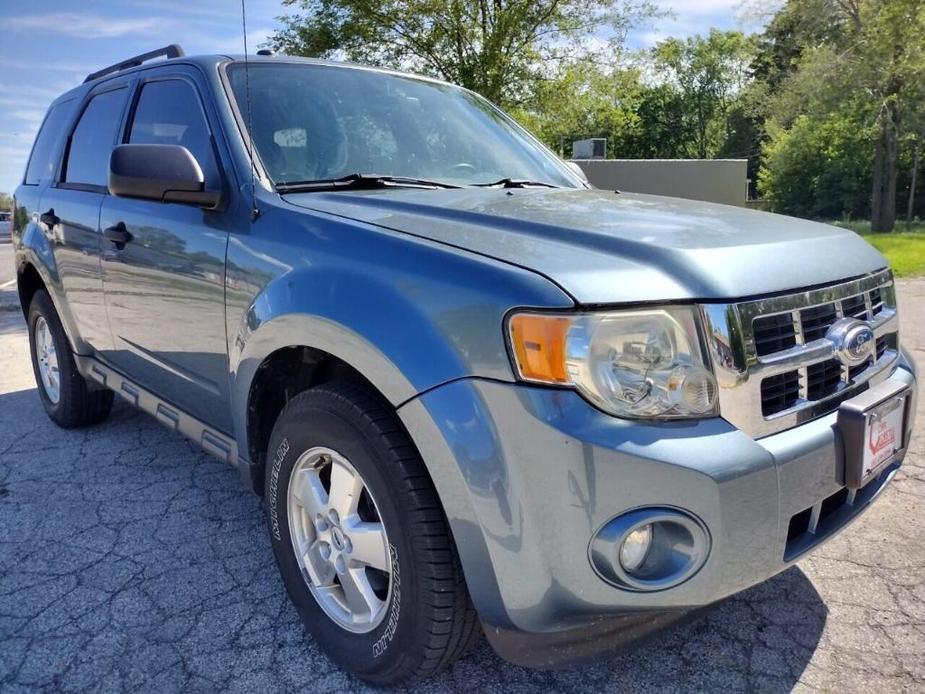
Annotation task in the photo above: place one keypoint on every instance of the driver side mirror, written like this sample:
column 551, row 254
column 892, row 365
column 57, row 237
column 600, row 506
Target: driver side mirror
column 165, row 173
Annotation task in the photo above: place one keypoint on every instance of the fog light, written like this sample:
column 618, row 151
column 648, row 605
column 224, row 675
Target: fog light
column 650, row 548
column 635, row 547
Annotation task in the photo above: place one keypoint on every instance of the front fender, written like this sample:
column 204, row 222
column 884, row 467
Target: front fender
column 318, row 332
column 407, row 314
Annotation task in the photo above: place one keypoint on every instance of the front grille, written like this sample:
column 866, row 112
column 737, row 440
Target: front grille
column 816, row 321
column 774, row 333
column 855, row 307
column 822, row 379
column 779, row 392
column 876, row 301
column 882, row 344
column 778, row 332
column 775, row 366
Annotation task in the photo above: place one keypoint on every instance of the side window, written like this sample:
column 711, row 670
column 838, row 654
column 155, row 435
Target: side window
column 94, row 138
column 42, row 162
column 169, row 113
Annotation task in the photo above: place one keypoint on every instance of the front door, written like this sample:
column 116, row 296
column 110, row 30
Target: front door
column 164, row 288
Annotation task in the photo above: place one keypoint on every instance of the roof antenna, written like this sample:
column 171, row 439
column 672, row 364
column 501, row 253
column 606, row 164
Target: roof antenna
column 255, row 211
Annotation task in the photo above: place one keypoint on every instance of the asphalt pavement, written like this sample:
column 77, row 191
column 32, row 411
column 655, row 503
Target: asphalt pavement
column 131, row 561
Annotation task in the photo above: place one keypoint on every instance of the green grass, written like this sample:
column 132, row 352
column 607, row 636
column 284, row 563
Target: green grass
column 905, row 251
column 904, row 247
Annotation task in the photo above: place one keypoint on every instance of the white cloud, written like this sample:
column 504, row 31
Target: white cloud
column 51, row 66
column 649, row 38
column 85, row 24
column 29, row 115
column 684, row 18
column 15, row 153
column 30, row 93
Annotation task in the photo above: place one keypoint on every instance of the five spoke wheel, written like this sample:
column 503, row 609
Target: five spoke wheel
column 339, row 539
column 47, row 358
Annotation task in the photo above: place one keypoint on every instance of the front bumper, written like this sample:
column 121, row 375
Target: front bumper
column 527, row 475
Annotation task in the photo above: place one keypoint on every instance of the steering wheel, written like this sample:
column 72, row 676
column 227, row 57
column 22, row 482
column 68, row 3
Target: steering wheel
column 463, row 167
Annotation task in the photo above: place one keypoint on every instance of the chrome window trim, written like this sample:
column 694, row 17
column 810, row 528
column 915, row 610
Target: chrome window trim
column 739, row 370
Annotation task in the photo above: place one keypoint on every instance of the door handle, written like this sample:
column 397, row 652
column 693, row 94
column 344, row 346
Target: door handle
column 118, row 234
column 49, row 218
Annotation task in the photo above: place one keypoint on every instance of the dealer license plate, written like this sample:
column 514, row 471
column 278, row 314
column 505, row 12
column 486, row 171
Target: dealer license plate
column 883, row 434
column 872, row 426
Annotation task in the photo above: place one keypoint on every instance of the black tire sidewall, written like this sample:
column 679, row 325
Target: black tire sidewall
column 320, row 421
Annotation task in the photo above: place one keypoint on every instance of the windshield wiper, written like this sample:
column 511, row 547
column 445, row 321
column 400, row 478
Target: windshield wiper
column 515, row 183
column 360, row 181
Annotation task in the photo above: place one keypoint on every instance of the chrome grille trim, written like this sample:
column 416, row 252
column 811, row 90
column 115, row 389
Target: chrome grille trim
column 739, row 370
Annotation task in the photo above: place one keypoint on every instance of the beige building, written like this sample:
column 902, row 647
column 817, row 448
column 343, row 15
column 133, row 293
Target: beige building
column 715, row 180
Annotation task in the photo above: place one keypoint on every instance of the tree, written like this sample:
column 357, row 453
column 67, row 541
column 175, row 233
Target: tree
column 499, row 48
column 918, row 146
column 709, row 73
column 583, row 99
column 6, row 202
column 818, row 168
column 680, row 100
column 660, row 129
column 858, row 59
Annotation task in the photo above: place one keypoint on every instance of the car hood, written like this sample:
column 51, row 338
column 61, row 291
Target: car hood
column 603, row 247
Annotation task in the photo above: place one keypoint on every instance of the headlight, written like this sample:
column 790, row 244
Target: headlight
column 642, row 363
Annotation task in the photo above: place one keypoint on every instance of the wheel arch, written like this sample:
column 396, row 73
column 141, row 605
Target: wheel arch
column 28, row 281
column 288, row 354
column 279, row 377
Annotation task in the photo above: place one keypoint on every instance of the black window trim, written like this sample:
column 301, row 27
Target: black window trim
column 104, row 88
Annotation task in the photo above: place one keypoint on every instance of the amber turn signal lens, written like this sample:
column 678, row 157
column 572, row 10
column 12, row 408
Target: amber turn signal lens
column 539, row 346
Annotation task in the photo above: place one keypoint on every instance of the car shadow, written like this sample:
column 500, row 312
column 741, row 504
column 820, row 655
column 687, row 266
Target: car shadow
column 151, row 562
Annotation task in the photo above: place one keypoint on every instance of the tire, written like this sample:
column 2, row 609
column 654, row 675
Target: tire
column 69, row 399
column 427, row 619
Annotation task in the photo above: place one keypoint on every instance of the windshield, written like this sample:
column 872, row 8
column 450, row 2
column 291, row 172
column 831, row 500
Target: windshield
column 317, row 122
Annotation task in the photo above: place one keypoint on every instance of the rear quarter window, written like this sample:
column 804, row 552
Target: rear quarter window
column 43, row 162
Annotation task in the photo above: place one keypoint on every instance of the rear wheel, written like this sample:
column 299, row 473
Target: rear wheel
column 361, row 539
column 68, row 398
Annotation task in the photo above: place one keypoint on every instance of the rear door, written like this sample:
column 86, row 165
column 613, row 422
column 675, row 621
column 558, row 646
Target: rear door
column 41, row 172
column 164, row 289
column 69, row 213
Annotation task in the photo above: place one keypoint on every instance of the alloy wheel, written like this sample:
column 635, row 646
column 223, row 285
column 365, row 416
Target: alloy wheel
column 47, row 359
column 339, row 539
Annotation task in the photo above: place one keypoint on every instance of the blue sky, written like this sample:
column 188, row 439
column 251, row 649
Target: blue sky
column 49, row 46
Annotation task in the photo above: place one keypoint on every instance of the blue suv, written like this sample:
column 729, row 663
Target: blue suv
column 476, row 394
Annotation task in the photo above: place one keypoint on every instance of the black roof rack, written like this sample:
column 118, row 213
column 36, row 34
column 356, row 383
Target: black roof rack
column 172, row 51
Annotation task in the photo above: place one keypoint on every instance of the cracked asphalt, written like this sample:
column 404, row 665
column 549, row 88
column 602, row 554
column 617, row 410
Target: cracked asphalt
column 131, row 561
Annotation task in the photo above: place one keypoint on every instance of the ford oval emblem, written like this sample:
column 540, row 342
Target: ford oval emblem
column 853, row 341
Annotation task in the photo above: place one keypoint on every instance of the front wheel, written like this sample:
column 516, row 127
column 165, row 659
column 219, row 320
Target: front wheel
column 361, row 539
